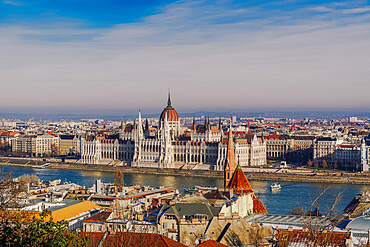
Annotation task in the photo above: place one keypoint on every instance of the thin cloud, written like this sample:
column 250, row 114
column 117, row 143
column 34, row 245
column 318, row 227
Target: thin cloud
column 356, row 10
column 253, row 63
column 14, row 3
column 322, row 9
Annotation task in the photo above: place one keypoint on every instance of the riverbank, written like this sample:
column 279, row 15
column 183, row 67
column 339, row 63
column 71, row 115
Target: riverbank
column 307, row 176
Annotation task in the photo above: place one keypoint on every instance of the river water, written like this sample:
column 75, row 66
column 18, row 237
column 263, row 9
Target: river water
column 280, row 202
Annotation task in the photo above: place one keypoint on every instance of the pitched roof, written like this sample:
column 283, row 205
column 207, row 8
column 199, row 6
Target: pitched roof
column 258, row 207
column 181, row 209
column 131, row 239
column 211, row 243
column 74, row 210
column 239, row 182
column 99, row 217
column 295, row 237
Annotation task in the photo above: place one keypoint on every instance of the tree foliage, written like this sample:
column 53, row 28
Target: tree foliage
column 40, row 231
column 324, row 164
column 316, row 164
column 309, row 163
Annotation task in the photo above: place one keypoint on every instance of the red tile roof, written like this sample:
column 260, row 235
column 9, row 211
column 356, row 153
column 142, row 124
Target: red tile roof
column 305, row 238
column 131, row 240
column 258, row 207
column 239, row 182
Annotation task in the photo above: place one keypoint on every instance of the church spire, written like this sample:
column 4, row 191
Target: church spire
column 169, row 98
column 230, row 158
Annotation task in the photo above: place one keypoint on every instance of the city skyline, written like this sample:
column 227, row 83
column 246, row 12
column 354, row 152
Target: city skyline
column 116, row 57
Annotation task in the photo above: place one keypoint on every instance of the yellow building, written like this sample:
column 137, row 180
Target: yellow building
column 68, row 144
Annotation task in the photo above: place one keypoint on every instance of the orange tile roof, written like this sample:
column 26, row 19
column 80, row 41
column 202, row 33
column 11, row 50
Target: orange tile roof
column 258, row 207
column 239, row 182
column 74, row 210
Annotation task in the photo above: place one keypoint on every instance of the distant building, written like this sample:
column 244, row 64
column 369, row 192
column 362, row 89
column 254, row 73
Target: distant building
column 173, row 146
column 365, row 154
column 37, row 145
column 68, row 144
column 290, row 147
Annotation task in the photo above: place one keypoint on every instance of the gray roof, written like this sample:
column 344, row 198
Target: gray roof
column 288, row 220
column 361, row 223
column 182, row 209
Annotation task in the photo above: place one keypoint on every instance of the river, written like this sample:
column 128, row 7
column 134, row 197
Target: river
column 280, row 202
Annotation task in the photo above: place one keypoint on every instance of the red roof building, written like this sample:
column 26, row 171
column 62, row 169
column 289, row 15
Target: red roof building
column 129, row 239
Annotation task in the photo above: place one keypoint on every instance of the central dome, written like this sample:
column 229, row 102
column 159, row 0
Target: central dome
column 169, row 111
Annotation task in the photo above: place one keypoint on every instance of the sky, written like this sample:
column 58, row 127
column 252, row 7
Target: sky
column 116, row 56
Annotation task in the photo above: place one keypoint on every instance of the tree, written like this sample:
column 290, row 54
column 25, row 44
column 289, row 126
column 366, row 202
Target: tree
column 309, row 163
column 316, row 164
column 11, row 192
column 55, row 151
column 119, row 180
column 324, row 164
column 321, row 228
column 41, row 231
column 335, row 166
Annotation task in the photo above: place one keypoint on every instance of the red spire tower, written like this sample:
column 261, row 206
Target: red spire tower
column 230, row 159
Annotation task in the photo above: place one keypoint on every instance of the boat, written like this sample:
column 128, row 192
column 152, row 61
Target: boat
column 41, row 166
column 197, row 188
column 275, row 187
column 191, row 190
column 205, row 188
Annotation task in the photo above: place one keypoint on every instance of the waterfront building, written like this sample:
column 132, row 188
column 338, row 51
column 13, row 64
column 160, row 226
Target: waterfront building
column 36, row 145
column 365, row 154
column 173, row 146
column 290, row 147
column 324, row 148
column 68, row 144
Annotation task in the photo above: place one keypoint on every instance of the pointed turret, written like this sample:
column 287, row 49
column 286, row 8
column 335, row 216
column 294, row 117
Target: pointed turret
column 122, row 126
column 194, row 128
column 208, row 124
column 146, row 124
column 230, row 159
column 169, row 98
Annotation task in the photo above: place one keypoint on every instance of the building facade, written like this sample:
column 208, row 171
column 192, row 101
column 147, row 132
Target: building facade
column 170, row 148
column 38, row 145
column 290, row 147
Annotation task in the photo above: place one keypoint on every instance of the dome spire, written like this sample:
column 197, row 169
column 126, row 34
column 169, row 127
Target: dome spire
column 169, row 98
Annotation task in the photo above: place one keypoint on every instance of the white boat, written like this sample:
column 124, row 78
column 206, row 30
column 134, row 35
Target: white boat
column 41, row 166
column 275, row 187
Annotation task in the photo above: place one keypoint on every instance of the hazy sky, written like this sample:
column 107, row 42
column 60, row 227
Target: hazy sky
column 117, row 56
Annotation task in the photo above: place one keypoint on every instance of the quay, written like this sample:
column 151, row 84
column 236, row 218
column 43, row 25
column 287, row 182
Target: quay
column 259, row 174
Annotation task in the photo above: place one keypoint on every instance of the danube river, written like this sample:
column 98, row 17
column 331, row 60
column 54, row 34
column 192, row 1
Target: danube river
column 280, row 202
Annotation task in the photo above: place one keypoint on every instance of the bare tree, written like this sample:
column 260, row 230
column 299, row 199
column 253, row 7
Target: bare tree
column 256, row 235
column 119, row 180
column 11, row 191
column 321, row 229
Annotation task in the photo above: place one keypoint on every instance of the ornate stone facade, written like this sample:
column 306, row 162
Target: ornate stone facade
column 204, row 149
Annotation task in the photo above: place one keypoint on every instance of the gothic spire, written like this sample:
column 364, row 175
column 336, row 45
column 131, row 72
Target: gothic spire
column 169, row 98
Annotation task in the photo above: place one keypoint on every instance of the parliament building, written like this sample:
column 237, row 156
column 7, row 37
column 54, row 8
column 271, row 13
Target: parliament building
column 202, row 147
